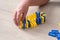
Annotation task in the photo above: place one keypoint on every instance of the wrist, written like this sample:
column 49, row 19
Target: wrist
column 27, row 2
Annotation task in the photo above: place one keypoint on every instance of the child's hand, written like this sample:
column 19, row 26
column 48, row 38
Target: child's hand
column 20, row 10
column 23, row 8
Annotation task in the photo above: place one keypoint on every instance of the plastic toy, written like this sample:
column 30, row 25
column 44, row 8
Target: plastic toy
column 54, row 33
column 58, row 36
column 58, row 39
column 32, row 20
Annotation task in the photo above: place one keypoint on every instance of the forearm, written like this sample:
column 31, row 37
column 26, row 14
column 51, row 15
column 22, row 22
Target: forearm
column 26, row 2
column 39, row 2
column 33, row 2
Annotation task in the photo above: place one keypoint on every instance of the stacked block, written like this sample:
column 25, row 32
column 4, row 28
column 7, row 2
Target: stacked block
column 58, row 36
column 55, row 33
column 32, row 20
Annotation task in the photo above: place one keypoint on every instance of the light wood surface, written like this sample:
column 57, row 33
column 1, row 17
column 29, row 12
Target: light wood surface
column 8, row 30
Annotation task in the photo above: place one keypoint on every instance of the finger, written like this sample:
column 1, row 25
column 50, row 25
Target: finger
column 15, row 18
column 24, row 16
column 18, row 17
column 24, row 13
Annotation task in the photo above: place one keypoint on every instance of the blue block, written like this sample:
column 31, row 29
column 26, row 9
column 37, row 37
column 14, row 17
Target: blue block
column 29, row 24
column 58, row 36
column 23, row 26
column 38, row 21
column 58, row 39
column 55, row 31
column 37, row 14
column 51, row 34
column 24, row 22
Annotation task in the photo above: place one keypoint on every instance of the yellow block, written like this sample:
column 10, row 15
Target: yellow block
column 44, row 14
column 41, row 13
column 35, row 24
column 32, row 25
column 29, row 17
column 34, row 17
column 21, row 17
column 42, row 19
column 26, row 25
column 20, row 25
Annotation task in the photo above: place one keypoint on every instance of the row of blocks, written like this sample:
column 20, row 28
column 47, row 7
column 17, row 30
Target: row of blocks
column 32, row 20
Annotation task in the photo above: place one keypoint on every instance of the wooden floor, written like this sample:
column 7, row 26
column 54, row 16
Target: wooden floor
column 8, row 30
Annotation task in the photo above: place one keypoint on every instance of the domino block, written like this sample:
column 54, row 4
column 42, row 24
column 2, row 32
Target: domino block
column 58, row 36
column 58, row 39
column 20, row 26
column 42, row 19
column 37, row 14
column 34, row 24
column 53, row 33
column 42, row 14
column 24, row 22
column 29, row 25
column 32, row 20
column 38, row 21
